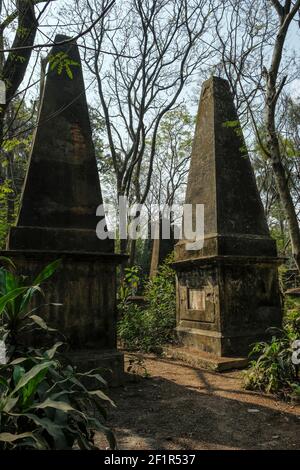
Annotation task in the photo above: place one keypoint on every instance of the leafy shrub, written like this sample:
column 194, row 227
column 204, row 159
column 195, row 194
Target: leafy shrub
column 130, row 283
column 16, row 293
column 6, row 191
column 44, row 404
column 44, row 401
column 272, row 369
column 147, row 328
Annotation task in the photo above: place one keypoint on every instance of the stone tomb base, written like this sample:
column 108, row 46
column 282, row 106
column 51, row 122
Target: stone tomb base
column 85, row 284
column 203, row 360
column 226, row 303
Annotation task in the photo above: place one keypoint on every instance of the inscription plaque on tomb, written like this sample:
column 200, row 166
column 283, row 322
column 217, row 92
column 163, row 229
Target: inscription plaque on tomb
column 197, row 305
column 196, row 299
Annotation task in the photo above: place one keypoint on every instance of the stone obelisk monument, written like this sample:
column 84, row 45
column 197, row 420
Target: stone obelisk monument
column 57, row 217
column 227, row 291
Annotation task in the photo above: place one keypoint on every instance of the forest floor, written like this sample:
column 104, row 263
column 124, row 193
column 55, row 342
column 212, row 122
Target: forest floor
column 179, row 407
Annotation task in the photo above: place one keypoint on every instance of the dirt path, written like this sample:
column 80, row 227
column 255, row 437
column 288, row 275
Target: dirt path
column 180, row 407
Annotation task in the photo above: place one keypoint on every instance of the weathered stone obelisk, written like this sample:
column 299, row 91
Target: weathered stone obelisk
column 227, row 292
column 57, row 217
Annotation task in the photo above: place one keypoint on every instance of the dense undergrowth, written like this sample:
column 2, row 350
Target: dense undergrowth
column 274, row 367
column 44, row 401
column 148, row 326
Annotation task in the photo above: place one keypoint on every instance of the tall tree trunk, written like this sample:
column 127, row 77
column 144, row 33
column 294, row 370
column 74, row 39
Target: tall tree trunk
column 289, row 208
column 132, row 252
column 286, row 14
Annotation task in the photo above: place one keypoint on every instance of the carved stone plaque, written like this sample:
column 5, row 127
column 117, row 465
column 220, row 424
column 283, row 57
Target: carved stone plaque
column 196, row 299
column 196, row 305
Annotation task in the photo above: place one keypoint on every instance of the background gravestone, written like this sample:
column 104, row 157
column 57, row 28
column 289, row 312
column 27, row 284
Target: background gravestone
column 57, row 219
column 227, row 292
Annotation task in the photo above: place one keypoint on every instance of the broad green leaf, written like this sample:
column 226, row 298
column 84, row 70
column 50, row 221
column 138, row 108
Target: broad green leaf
column 31, row 374
column 28, row 296
column 19, row 360
column 93, row 375
column 47, row 272
column 10, row 403
column 50, row 353
column 18, row 373
column 101, row 395
column 8, row 261
column 11, row 281
column 58, row 405
column 69, row 71
column 53, row 429
column 39, row 321
column 30, row 388
column 11, row 296
column 63, row 394
column 8, row 437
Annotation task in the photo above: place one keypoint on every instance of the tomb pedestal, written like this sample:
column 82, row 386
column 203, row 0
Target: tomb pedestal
column 226, row 303
column 85, row 285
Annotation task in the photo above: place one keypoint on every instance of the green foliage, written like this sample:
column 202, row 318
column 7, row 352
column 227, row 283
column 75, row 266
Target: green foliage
column 231, row 124
column 130, row 283
column 22, row 32
column 14, row 144
column 143, row 255
column 17, row 58
column 61, row 61
column 5, row 192
column 17, row 293
column 14, row 153
column 44, row 404
column 235, row 125
column 176, row 131
column 272, row 369
column 147, row 328
column 44, row 401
